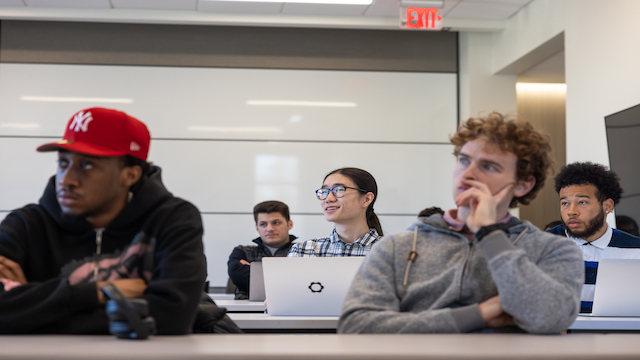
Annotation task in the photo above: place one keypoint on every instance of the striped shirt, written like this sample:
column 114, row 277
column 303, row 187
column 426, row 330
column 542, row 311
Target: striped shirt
column 608, row 246
column 334, row 246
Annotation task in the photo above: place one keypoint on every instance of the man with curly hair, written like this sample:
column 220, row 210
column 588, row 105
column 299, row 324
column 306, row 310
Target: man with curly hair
column 588, row 192
column 476, row 268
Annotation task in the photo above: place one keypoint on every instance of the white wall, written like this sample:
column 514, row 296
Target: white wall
column 482, row 91
column 224, row 154
column 602, row 53
column 527, row 30
column 602, row 71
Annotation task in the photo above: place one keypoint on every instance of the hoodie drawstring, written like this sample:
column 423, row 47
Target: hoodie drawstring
column 96, row 258
column 412, row 258
column 520, row 236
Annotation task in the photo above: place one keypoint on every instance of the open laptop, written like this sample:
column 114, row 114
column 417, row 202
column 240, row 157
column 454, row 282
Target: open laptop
column 308, row 286
column 256, row 282
column 617, row 290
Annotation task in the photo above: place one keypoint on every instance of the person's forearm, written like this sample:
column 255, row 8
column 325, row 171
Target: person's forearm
column 542, row 297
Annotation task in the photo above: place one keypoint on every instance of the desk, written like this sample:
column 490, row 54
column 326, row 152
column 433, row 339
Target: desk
column 216, row 297
column 601, row 323
column 325, row 346
column 261, row 321
column 241, row 305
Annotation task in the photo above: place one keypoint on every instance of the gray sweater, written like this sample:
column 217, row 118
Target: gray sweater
column 538, row 276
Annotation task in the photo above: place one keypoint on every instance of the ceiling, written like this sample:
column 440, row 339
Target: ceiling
column 460, row 15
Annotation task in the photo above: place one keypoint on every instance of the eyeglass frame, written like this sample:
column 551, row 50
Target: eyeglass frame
column 332, row 191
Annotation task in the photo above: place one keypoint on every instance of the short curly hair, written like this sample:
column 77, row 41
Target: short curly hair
column 606, row 181
column 531, row 147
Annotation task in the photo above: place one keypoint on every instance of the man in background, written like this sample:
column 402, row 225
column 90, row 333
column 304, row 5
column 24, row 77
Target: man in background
column 430, row 211
column 273, row 224
column 588, row 193
column 627, row 224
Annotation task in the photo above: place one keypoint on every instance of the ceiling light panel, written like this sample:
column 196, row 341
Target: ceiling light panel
column 11, row 3
column 155, row 4
column 334, row 2
column 83, row 4
column 242, row 7
column 323, row 9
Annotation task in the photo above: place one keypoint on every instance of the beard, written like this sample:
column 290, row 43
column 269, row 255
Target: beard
column 592, row 226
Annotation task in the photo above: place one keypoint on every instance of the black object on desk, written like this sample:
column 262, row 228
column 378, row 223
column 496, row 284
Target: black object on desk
column 128, row 318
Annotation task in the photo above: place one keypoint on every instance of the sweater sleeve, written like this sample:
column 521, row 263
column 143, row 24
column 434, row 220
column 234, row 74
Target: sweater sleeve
column 542, row 295
column 179, row 271
column 35, row 306
column 373, row 305
column 238, row 272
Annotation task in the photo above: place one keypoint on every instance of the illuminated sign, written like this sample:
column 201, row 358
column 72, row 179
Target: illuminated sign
column 420, row 18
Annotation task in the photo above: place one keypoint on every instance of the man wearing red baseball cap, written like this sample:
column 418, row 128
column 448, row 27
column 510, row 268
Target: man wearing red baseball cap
column 105, row 217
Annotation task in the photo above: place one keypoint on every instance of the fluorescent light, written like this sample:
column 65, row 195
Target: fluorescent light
column 335, row 2
column 235, row 129
column 20, row 126
column 301, row 103
column 76, row 99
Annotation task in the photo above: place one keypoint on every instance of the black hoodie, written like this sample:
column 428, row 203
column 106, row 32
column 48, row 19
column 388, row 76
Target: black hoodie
column 156, row 237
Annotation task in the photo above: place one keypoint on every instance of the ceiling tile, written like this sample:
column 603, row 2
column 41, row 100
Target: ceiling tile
column 448, row 6
column 324, row 9
column 385, row 8
column 11, row 3
column 512, row 2
column 155, row 4
column 243, row 7
column 82, row 4
column 483, row 10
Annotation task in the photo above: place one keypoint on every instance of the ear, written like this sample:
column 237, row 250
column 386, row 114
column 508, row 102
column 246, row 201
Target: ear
column 290, row 224
column 523, row 187
column 368, row 198
column 607, row 206
column 130, row 175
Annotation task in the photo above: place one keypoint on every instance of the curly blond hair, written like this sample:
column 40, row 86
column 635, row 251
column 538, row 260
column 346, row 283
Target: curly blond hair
column 512, row 135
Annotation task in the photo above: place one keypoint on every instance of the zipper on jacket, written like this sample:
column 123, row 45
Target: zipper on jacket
column 465, row 268
column 96, row 258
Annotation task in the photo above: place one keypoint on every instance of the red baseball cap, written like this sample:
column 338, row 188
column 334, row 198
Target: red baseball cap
column 104, row 132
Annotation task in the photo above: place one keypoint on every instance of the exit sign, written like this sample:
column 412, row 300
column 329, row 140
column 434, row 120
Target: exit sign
column 420, row 18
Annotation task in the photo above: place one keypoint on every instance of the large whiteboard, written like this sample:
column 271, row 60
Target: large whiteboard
column 229, row 138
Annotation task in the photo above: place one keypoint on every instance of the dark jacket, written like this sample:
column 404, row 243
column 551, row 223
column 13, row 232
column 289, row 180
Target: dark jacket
column 239, row 273
column 156, row 237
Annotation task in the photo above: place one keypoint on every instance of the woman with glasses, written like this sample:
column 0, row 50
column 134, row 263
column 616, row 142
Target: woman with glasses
column 347, row 197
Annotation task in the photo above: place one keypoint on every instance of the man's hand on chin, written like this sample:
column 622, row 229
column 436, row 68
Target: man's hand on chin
column 482, row 204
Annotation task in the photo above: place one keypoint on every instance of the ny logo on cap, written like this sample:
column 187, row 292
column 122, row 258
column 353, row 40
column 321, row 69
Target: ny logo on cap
column 134, row 146
column 81, row 121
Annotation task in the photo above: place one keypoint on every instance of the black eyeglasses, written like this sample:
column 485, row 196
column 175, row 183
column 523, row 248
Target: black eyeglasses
column 338, row 191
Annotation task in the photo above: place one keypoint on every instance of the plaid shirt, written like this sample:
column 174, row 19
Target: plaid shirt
column 334, row 246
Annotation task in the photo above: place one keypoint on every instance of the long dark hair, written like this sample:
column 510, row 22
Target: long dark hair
column 365, row 181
